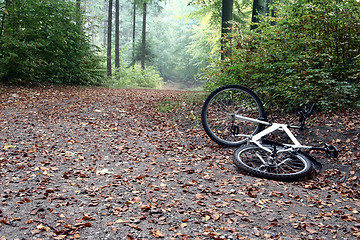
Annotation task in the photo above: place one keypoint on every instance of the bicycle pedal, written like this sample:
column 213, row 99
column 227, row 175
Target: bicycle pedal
column 235, row 129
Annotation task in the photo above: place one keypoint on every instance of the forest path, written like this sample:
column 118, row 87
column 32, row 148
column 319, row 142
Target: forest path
column 98, row 163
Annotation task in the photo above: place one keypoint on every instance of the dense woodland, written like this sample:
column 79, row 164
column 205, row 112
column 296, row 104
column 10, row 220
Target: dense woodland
column 289, row 52
column 89, row 151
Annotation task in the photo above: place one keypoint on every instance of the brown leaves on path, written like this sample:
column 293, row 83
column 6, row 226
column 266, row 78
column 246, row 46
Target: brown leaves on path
column 96, row 163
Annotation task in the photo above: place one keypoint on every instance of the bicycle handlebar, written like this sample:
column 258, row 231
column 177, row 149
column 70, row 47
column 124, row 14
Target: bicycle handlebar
column 330, row 150
column 305, row 114
column 308, row 114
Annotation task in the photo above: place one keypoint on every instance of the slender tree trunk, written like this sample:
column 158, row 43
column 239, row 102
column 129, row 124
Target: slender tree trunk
column 260, row 7
column 78, row 12
column 227, row 9
column 143, row 42
column 109, row 73
column 2, row 25
column 117, row 35
column 133, row 32
column 3, row 19
column 104, row 23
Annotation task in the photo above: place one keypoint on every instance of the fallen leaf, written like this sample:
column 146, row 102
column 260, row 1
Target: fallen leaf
column 157, row 233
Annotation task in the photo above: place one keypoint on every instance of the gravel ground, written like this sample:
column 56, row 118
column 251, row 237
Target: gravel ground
column 97, row 163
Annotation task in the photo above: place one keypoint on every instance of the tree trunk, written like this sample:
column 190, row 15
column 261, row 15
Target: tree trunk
column 3, row 19
column 133, row 32
column 104, row 24
column 117, row 35
column 143, row 42
column 109, row 73
column 260, row 7
column 78, row 12
column 227, row 9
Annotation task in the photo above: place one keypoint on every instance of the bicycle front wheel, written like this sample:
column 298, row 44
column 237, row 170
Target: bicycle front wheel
column 283, row 166
column 219, row 108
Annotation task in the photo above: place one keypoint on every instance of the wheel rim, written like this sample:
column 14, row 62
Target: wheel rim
column 223, row 105
column 285, row 163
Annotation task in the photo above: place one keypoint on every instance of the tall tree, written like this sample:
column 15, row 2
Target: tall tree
column 227, row 8
column 78, row 13
column 217, row 14
column 143, row 41
column 104, row 24
column 134, row 30
column 226, row 17
column 3, row 17
column 109, row 46
column 117, row 34
column 260, row 7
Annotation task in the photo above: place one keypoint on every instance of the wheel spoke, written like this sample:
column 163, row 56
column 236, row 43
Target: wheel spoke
column 260, row 157
column 221, row 105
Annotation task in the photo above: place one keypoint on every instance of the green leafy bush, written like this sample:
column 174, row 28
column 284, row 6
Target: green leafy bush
column 42, row 43
column 135, row 77
column 310, row 55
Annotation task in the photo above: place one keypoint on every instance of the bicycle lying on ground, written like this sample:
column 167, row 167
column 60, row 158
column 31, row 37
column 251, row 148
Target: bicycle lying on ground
column 234, row 116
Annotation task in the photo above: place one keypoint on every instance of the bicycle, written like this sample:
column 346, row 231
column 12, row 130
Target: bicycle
column 234, row 116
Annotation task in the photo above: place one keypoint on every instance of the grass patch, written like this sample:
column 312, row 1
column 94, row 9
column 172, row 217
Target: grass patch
column 188, row 100
column 185, row 108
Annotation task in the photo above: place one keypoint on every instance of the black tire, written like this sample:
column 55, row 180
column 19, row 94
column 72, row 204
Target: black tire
column 218, row 107
column 285, row 166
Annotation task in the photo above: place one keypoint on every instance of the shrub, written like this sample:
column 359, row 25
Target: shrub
column 42, row 43
column 310, row 55
column 135, row 77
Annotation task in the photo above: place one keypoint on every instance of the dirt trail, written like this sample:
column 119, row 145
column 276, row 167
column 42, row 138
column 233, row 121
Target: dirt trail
column 97, row 163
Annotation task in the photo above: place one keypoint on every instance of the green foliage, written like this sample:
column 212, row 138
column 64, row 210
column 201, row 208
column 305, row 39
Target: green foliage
column 135, row 77
column 42, row 43
column 132, row 76
column 149, row 52
column 170, row 37
column 310, row 55
column 213, row 8
column 167, row 106
column 175, row 60
column 210, row 13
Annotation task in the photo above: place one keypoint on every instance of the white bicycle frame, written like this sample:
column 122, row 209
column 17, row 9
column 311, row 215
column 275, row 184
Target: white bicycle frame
column 271, row 128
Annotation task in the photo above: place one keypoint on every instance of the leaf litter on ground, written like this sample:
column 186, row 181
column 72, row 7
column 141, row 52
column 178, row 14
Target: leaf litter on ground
column 98, row 163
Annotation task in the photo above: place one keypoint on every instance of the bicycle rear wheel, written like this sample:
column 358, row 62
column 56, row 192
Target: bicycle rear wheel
column 221, row 104
column 283, row 166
